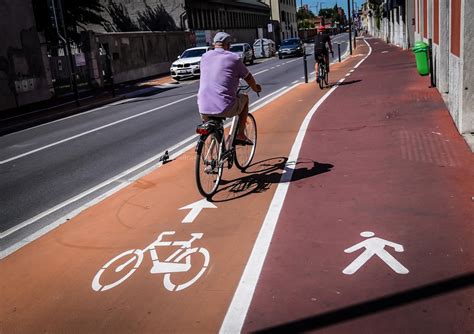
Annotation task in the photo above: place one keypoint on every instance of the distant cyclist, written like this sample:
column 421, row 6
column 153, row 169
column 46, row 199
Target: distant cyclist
column 221, row 71
column 320, row 48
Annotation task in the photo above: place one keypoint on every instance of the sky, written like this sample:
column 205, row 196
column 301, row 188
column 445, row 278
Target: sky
column 315, row 5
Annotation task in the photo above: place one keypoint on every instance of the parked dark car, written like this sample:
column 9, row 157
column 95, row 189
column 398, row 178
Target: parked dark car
column 291, row 47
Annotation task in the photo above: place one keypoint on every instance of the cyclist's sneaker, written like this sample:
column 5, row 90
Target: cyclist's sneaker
column 243, row 142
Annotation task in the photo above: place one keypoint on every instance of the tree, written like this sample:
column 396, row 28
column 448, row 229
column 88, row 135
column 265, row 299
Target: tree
column 303, row 14
column 305, row 18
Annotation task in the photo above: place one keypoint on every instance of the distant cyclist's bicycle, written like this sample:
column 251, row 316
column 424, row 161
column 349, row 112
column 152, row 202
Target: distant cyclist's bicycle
column 214, row 150
column 322, row 75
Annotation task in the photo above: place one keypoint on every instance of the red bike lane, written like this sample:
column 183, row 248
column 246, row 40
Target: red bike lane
column 382, row 241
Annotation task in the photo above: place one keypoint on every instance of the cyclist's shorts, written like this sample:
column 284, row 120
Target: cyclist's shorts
column 320, row 53
column 233, row 110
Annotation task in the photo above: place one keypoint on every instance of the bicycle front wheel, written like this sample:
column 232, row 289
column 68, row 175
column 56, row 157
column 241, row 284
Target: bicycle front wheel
column 120, row 268
column 208, row 168
column 244, row 154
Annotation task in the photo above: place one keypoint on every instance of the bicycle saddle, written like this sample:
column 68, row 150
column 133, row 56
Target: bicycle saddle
column 209, row 126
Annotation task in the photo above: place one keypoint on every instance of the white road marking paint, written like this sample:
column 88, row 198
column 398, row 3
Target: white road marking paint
column 384, row 52
column 263, row 71
column 196, row 209
column 374, row 246
column 239, row 306
column 94, row 130
column 294, row 82
column 122, row 181
column 351, row 71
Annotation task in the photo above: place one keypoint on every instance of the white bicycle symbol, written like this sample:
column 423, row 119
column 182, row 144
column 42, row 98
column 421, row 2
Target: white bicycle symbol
column 173, row 264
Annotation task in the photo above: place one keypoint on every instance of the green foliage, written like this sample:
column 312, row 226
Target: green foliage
column 302, row 14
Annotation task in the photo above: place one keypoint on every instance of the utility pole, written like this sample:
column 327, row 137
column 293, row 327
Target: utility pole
column 350, row 25
column 65, row 40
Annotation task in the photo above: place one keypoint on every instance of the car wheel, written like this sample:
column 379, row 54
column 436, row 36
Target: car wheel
column 251, row 61
column 177, row 78
column 280, row 57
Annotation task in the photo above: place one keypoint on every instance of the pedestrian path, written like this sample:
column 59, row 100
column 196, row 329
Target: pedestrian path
column 382, row 242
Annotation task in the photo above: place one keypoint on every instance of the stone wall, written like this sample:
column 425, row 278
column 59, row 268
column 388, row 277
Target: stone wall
column 142, row 54
column 23, row 73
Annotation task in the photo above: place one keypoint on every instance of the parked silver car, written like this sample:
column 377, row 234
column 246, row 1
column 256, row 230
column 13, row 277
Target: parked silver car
column 245, row 52
column 189, row 63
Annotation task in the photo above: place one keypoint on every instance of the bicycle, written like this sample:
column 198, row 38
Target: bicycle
column 214, row 150
column 322, row 75
column 178, row 262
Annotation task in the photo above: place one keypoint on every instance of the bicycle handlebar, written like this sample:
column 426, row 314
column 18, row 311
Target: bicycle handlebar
column 243, row 88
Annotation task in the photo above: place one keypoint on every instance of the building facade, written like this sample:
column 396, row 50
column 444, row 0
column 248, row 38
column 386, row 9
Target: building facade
column 449, row 25
column 283, row 16
column 245, row 20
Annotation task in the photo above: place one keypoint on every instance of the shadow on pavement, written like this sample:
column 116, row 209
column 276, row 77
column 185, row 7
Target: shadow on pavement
column 261, row 175
column 344, row 83
column 373, row 306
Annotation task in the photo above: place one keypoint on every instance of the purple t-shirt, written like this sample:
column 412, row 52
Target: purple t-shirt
column 220, row 74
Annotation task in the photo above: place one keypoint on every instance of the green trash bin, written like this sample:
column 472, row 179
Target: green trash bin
column 421, row 56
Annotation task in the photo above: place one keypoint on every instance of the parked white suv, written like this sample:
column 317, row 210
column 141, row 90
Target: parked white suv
column 189, row 63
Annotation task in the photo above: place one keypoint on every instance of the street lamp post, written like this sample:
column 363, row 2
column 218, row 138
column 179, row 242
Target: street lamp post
column 350, row 25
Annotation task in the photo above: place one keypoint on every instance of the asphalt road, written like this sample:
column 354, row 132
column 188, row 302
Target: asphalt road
column 51, row 172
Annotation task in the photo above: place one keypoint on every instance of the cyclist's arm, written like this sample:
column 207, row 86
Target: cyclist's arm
column 251, row 82
column 330, row 45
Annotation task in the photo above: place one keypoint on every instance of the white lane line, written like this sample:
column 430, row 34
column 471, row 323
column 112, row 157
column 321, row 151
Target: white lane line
column 263, row 71
column 239, row 306
column 348, row 74
column 94, row 130
column 123, row 182
column 296, row 81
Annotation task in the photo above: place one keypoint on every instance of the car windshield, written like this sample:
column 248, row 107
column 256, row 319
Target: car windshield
column 289, row 42
column 236, row 48
column 193, row 53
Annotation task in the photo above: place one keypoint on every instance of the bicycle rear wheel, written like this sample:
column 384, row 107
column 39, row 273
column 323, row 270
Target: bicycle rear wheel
column 326, row 76
column 244, row 154
column 321, row 75
column 207, row 167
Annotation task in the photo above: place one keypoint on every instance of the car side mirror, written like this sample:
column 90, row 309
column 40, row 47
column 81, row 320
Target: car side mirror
column 178, row 57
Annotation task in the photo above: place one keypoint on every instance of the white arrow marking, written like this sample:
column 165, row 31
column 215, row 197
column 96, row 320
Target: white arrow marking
column 196, row 208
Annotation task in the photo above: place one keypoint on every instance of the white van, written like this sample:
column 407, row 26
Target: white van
column 264, row 47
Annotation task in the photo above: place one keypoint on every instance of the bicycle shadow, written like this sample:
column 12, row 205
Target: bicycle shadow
column 350, row 82
column 262, row 174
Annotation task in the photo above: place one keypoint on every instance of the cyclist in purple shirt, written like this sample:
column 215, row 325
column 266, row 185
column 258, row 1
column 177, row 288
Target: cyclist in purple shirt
column 221, row 71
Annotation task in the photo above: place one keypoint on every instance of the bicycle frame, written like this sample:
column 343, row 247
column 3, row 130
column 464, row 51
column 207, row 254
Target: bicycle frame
column 166, row 266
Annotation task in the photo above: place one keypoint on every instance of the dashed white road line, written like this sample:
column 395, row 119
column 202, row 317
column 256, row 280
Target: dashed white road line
column 94, row 130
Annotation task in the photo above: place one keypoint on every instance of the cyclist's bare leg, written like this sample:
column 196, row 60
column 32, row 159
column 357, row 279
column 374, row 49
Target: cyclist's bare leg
column 316, row 68
column 326, row 59
column 243, row 119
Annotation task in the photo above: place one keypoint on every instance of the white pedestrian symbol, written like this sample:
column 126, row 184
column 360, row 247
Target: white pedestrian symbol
column 374, row 246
